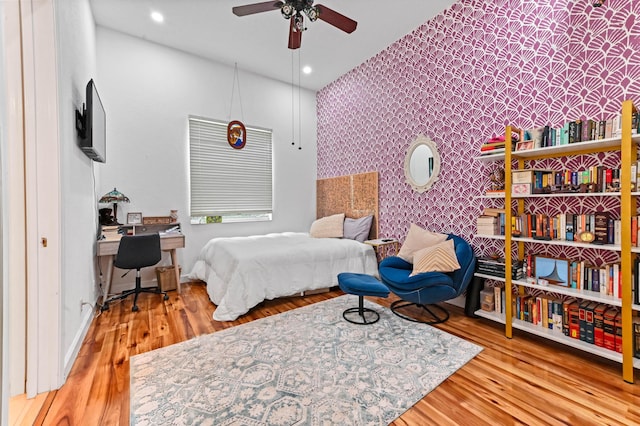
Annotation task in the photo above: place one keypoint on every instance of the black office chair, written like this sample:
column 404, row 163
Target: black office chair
column 135, row 252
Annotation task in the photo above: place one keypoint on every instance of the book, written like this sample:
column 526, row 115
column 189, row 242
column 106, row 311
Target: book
column 589, row 322
column 598, row 324
column 569, row 230
column 574, row 319
column 601, row 227
column 497, row 296
column 572, row 132
column 492, row 151
column 582, row 319
column 610, row 328
column 557, row 316
column 636, row 337
column 489, row 211
column 492, row 147
column 618, row 331
column 602, row 125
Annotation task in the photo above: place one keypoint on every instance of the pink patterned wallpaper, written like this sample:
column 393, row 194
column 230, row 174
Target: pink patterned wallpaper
column 459, row 79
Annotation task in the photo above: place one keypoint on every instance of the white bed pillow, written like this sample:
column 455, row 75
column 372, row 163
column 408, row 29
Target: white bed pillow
column 417, row 239
column 357, row 229
column 328, row 227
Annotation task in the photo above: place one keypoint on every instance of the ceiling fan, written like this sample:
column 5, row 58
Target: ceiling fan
column 293, row 10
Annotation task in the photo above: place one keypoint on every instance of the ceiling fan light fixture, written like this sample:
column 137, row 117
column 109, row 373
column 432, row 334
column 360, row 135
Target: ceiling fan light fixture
column 287, row 10
column 295, row 10
column 298, row 22
column 312, row 13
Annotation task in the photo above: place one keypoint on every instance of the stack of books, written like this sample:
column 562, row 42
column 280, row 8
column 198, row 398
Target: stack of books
column 491, row 222
column 111, row 233
column 488, row 225
column 494, row 145
column 496, row 267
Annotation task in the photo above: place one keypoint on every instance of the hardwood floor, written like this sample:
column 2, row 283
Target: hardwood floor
column 524, row 380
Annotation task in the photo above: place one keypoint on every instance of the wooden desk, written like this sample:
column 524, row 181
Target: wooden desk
column 167, row 243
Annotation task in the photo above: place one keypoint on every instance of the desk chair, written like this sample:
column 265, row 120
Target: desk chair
column 136, row 252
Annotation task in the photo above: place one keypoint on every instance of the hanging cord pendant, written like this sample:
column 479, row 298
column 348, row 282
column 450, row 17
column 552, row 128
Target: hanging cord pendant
column 236, row 131
column 299, row 105
column 293, row 132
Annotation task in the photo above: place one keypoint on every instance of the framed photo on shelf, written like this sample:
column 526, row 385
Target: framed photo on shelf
column 552, row 271
column 134, row 218
column 524, row 145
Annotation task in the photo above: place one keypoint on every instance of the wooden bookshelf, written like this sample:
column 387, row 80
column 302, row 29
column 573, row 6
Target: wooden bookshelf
column 627, row 145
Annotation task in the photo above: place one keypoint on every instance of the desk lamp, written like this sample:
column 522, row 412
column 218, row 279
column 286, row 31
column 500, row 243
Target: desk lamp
column 115, row 197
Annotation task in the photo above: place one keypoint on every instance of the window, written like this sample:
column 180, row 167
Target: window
column 227, row 184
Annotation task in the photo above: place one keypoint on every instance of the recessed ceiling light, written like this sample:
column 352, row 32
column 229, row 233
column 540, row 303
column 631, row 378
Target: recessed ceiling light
column 306, row 69
column 157, row 17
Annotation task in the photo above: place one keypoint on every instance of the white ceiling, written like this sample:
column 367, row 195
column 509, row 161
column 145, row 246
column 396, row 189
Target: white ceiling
column 258, row 43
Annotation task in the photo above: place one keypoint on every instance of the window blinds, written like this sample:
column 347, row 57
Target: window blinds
column 225, row 180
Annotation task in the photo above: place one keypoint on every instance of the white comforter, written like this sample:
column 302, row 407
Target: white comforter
column 240, row 272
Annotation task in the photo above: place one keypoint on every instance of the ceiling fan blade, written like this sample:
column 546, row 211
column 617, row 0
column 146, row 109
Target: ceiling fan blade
column 336, row 19
column 249, row 9
column 295, row 37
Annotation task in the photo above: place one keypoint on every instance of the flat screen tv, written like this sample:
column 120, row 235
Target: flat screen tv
column 92, row 126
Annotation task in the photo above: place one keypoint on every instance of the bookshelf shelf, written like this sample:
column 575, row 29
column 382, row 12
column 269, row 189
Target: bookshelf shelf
column 489, row 277
column 569, row 195
column 573, row 292
column 491, row 315
column 609, row 247
column 489, row 237
column 491, row 157
column 610, row 144
column 556, row 337
column 568, row 341
column 499, row 196
column 627, row 146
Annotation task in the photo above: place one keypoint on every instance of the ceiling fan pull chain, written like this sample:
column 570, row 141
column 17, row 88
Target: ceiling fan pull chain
column 299, row 104
column 293, row 130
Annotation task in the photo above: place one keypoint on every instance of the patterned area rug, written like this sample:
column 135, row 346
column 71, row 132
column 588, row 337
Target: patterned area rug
column 307, row 366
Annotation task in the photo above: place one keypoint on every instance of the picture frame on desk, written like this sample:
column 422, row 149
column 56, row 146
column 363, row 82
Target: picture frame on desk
column 134, row 218
column 552, row 271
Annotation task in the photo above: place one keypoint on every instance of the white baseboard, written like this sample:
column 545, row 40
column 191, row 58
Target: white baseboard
column 122, row 286
column 119, row 287
column 458, row 301
column 72, row 353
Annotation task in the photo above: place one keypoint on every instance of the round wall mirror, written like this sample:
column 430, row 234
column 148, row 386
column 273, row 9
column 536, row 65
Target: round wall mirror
column 422, row 164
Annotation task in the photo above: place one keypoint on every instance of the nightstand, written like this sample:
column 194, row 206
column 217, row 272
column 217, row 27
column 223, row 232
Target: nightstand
column 384, row 247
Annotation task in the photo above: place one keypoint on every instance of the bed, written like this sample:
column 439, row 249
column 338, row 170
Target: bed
column 241, row 272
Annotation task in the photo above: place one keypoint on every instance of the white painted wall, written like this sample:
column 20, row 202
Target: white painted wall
column 4, row 275
column 148, row 92
column 76, row 65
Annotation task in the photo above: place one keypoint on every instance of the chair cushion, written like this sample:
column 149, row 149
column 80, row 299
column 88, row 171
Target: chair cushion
column 328, row 227
column 361, row 285
column 400, row 279
column 438, row 258
column 418, row 238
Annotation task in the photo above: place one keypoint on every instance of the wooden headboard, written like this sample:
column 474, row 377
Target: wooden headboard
column 354, row 195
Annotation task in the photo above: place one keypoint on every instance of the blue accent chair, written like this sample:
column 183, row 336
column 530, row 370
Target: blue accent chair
column 428, row 288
